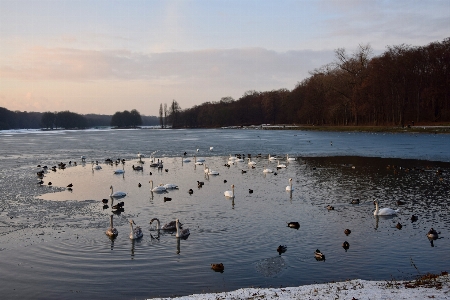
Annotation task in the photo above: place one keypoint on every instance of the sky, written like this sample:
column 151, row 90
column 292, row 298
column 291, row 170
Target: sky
column 104, row 56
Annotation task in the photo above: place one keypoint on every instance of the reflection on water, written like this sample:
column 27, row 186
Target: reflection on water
column 50, row 234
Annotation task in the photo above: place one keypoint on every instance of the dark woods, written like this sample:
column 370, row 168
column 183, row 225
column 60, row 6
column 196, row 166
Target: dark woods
column 402, row 86
column 69, row 120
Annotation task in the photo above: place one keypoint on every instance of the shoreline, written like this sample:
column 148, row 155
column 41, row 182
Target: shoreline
column 427, row 286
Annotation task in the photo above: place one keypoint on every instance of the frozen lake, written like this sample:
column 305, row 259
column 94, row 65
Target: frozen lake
column 53, row 243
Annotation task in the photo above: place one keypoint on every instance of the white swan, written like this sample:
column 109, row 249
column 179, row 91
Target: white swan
column 136, row 233
column 233, row 158
column 289, row 187
column 119, row 171
column 212, row 172
column 171, row 226
column 266, row 170
column 157, row 189
column 181, row 233
column 96, row 167
column 170, row 186
column 198, row 161
column 250, row 162
column 272, row 157
column 111, row 231
column 116, row 194
column 279, row 166
column 384, row 211
column 230, row 194
column 290, row 158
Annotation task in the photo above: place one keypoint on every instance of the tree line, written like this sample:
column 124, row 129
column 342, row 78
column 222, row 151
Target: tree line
column 70, row 120
column 403, row 85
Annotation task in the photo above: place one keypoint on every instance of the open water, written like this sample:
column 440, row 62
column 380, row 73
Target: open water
column 53, row 243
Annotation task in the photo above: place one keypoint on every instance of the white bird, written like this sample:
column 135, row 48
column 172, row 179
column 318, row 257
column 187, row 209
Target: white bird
column 119, row 171
column 232, row 158
column 384, row 211
column 279, row 166
column 136, row 233
column 96, row 167
column 250, row 162
column 181, row 233
column 116, row 194
column 272, row 157
column 212, row 172
column 169, row 186
column 289, row 187
column 158, row 189
column 171, row 226
column 290, row 158
column 211, row 148
column 266, row 170
column 186, row 160
column 230, row 194
column 198, row 161
column 111, row 231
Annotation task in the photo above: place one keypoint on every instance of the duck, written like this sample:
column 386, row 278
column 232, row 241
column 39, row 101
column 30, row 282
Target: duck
column 414, row 218
column 191, row 191
column 139, row 184
column 250, row 191
column 104, row 201
column 218, row 267
column 345, row 245
column 399, row 226
column 295, row 225
column 347, row 231
column 111, row 231
column 281, row 249
column 158, row 189
column 355, row 201
column 229, row 194
column 200, row 184
column 384, row 211
column 432, row 234
column 181, row 233
column 118, row 205
column 136, row 233
column 289, row 187
column 400, row 202
column 330, row 207
column 319, row 255
column 116, row 194
column 70, row 185
column 167, row 199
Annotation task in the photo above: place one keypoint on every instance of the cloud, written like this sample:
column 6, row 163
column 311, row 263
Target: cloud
column 221, row 65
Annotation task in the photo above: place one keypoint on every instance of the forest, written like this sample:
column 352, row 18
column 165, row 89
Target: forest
column 70, row 120
column 403, row 85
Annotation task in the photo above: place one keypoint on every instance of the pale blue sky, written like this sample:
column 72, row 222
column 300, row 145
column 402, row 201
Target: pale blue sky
column 108, row 56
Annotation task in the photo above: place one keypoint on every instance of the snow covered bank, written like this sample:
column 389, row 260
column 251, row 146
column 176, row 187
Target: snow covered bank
column 426, row 287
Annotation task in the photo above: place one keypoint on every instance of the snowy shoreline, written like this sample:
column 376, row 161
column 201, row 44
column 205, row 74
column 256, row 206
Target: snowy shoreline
column 427, row 287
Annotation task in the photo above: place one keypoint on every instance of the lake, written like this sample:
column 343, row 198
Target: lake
column 53, row 243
